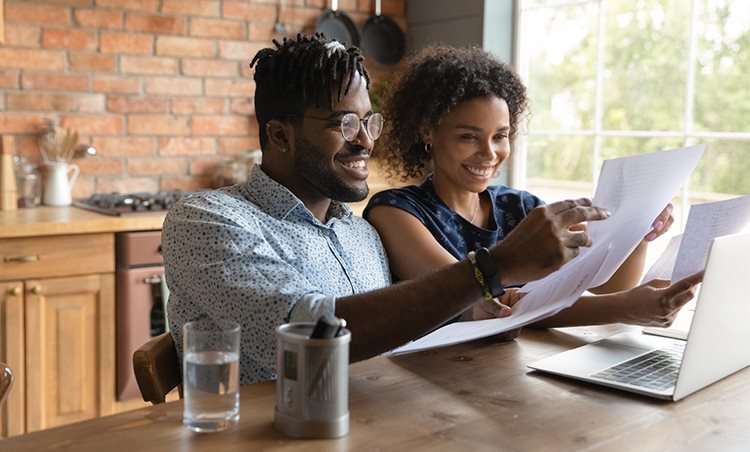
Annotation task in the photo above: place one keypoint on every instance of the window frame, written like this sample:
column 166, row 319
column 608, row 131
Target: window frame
column 518, row 176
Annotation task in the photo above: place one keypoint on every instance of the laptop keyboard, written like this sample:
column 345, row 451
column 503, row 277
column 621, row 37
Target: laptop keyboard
column 655, row 370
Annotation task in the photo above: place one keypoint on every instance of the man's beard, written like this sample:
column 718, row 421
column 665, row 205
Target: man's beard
column 316, row 171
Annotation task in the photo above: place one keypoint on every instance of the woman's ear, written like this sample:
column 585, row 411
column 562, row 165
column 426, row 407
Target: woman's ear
column 280, row 134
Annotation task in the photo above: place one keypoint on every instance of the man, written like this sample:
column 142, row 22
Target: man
column 284, row 247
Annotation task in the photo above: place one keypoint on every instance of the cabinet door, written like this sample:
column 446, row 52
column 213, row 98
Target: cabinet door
column 65, row 344
column 12, row 415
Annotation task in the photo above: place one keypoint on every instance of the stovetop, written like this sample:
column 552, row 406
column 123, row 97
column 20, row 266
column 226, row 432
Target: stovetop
column 116, row 204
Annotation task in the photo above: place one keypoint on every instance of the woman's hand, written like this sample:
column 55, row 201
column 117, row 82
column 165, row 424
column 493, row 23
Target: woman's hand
column 657, row 303
column 496, row 308
column 661, row 224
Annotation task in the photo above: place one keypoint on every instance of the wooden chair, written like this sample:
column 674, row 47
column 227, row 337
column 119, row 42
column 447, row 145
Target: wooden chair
column 157, row 368
column 6, row 381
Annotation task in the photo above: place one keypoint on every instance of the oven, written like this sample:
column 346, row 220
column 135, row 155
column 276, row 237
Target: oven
column 141, row 293
column 141, row 301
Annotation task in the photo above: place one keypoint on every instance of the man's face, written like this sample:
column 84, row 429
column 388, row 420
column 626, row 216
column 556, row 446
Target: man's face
column 328, row 165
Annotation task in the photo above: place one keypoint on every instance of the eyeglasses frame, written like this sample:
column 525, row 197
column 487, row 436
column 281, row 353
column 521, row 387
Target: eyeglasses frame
column 362, row 121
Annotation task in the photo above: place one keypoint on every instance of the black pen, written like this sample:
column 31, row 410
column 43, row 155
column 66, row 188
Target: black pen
column 327, row 327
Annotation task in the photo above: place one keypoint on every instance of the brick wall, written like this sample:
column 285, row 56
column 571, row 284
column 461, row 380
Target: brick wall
column 161, row 88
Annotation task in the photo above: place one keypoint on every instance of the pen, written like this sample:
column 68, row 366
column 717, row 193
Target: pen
column 327, row 327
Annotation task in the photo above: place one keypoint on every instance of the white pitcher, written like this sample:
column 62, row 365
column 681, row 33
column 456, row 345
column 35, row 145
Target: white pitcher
column 58, row 181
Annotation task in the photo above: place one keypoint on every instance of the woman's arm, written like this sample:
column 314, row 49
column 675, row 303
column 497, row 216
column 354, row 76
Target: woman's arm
column 411, row 248
column 655, row 303
column 630, row 272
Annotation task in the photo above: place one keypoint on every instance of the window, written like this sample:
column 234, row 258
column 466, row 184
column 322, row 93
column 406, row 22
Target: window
column 609, row 78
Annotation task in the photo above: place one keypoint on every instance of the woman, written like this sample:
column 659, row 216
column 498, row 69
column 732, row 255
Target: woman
column 456, row 111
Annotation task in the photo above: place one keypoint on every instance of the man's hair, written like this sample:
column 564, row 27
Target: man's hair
column 431, row 83
column 300, row 73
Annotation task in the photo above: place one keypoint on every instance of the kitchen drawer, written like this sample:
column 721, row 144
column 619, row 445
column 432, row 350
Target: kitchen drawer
column 139, row 248
column 53, row 256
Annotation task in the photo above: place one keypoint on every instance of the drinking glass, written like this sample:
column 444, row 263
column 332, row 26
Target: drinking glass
column 211, row 371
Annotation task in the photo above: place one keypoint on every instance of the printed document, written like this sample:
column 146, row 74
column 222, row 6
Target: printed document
column 635, row 189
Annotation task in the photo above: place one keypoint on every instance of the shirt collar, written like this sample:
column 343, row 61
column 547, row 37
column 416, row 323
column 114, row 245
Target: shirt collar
column 277, row 201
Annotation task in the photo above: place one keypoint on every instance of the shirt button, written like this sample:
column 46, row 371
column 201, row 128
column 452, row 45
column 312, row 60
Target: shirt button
column 324, row 232
column 351, row 273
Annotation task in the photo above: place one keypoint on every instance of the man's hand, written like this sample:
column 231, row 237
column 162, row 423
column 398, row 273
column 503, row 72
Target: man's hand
column 544, row 240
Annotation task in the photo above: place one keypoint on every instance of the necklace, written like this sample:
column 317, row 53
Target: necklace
column 476, row 209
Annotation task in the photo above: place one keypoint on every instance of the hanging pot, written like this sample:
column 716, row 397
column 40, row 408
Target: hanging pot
column 382, row 38
column 337, row 24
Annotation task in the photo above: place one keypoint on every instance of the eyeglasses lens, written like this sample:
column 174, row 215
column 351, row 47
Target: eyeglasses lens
column 375, row 125
column 350, row 124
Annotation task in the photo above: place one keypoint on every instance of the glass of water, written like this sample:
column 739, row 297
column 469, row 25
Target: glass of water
column 211, row 371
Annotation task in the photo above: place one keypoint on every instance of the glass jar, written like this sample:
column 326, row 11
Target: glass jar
column 28, row 183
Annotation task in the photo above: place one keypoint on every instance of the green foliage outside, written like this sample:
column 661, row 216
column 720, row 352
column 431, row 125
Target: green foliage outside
column 644, row 79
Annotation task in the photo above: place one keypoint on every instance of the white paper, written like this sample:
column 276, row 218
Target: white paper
column 706, row 222
column 534, row 306
column 664, row 265
column 687, row 253
column 635, row 189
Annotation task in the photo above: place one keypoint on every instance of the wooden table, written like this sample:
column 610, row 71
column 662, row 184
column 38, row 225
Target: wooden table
column 474, row 396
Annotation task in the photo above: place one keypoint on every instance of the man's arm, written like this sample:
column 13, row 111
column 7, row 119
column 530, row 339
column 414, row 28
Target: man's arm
column 386, row 318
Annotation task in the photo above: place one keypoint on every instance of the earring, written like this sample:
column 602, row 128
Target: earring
column 282, row 150
column 427, row 148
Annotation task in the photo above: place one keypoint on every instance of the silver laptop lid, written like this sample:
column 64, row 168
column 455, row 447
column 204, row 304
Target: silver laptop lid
column 720, row 331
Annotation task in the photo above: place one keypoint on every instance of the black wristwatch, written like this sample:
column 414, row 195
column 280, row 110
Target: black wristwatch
column 486, row 265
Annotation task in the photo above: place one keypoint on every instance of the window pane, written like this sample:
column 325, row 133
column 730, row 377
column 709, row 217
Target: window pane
column 560, row 48
column 613, row 147
column 559, row 166
column 645, row 64
column 724, row 168
column 722, row 91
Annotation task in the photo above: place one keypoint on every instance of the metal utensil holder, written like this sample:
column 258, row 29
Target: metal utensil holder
column 312, row 385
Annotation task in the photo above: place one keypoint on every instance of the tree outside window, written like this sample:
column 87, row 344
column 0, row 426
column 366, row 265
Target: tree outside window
column 610, row 78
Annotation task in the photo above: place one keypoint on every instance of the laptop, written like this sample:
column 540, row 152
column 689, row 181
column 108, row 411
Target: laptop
column 671, row 368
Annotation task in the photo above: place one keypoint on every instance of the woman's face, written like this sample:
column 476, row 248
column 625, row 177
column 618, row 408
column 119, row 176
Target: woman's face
column 470, row 143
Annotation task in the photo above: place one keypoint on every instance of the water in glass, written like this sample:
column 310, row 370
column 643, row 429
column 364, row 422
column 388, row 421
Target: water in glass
column 212, row 398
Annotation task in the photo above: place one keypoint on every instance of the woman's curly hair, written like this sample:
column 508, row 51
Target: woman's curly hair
column 430, row 84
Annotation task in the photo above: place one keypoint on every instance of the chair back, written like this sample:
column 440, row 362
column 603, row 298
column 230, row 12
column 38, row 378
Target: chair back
column 6, row 381
column 157, row 368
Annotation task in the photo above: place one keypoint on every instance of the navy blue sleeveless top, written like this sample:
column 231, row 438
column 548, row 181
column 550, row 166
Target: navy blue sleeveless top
column 451, row 230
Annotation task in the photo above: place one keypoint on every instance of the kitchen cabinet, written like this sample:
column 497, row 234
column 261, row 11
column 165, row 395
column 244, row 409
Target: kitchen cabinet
column 57, row 329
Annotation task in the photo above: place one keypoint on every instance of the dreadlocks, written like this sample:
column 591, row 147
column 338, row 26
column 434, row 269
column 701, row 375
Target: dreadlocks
column 302, row 72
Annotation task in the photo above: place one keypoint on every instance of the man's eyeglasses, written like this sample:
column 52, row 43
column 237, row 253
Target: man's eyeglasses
column 350, row 124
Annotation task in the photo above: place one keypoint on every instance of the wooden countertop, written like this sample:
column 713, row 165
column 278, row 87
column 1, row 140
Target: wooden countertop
column 45, row 221
column 474, row 396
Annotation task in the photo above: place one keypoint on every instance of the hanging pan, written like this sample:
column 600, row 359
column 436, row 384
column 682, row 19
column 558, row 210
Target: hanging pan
column 336, row 24
column 382, row 38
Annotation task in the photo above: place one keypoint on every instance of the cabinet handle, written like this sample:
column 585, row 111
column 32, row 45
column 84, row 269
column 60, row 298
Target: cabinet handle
column 36, row 290
column 27, row 258
column 15, row 291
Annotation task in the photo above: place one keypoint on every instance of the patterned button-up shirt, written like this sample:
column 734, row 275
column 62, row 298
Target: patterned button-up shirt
column 255, row 254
